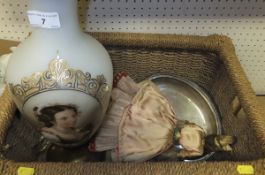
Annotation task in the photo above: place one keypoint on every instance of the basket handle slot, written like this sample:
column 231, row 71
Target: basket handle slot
column 236, row 106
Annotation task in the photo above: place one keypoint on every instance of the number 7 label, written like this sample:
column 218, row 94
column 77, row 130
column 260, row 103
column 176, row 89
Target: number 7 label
column 40, row 19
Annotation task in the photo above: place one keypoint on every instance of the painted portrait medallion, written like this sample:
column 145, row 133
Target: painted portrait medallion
column 66, row 105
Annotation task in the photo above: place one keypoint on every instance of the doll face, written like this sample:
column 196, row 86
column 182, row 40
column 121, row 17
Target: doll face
column 66, row 119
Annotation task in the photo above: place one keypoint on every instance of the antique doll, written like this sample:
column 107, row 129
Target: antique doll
column 141, row 125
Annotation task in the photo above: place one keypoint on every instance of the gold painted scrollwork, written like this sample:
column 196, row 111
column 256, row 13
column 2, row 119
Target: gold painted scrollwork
column 60, row 76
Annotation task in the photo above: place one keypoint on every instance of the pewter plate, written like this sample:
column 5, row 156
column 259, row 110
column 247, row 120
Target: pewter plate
column 191, row 103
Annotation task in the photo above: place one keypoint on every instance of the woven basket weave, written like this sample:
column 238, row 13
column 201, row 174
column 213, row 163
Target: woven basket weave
column 208, row 61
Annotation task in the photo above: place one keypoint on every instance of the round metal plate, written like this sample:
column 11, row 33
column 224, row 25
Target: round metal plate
column 191, row 103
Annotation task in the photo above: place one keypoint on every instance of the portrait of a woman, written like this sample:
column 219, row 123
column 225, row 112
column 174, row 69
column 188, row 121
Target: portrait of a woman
column 59, row 123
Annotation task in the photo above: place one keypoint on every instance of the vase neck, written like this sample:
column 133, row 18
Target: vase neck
column 67, row 10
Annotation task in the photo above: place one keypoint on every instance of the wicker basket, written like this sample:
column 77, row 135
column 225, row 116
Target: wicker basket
column 208, row 61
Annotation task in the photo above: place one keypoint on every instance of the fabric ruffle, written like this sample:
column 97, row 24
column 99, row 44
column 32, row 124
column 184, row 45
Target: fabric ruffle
column 107, row 137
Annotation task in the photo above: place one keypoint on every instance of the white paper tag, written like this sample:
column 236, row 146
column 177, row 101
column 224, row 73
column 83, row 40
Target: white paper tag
column 49, row 20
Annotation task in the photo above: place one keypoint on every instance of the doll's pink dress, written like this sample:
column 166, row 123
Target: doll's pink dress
column 139, row 125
